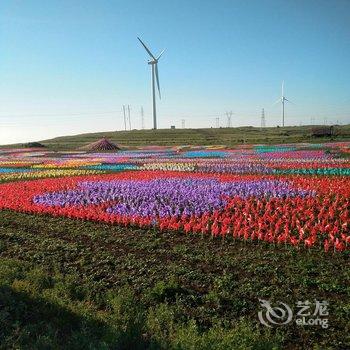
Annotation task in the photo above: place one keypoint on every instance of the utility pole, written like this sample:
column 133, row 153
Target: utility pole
column 217, row 120
column 142, row 119
column 124, row 117
column 183, row 121
column 263, row 121
column 129, row 117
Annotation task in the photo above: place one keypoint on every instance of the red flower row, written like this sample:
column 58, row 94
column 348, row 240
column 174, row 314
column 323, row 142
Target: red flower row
column 320, row 220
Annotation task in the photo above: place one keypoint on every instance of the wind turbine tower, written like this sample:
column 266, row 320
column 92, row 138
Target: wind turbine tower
column 155, row 78
column 183, row 123
column 282, row 100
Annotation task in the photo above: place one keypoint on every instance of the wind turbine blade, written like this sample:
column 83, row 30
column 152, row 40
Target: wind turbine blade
column 159, row 56
column 282, row 88
column 157, row 78
column 289, row 101
column 146, row 48
column 277, row 102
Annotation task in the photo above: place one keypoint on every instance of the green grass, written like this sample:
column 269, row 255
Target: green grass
column 223, row 136
column 83, row 285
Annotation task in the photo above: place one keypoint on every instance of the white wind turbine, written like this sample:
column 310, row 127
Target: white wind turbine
column 282, row 100
column 155, row 77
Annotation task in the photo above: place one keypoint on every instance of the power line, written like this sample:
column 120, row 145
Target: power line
column 55, row 115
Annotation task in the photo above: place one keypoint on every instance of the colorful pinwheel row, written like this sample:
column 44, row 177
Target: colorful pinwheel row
column 304, row 211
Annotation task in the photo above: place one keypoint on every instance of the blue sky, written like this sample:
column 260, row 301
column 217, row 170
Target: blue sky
column 67, row 67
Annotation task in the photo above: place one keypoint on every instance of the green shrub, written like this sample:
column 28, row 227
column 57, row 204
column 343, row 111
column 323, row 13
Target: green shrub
column 127, row 318
column 165, row 291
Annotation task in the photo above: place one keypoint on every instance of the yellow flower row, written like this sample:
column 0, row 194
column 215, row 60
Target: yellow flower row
column 63, row 165
column 47, row 174
column 18, row 163
column 169, row 166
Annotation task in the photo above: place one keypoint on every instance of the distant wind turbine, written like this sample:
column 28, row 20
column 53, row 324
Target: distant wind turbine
column 282, row 100
column 155, row 77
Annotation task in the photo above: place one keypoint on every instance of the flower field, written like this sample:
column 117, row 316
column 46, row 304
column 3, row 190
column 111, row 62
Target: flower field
column 172, row 248
column 296, row 195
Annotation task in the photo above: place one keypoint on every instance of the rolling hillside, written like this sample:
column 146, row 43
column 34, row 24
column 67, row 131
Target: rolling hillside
column 222, row 136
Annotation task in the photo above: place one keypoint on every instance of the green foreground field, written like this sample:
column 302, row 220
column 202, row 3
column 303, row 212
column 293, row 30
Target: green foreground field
column 224, row 136
column 82, row 285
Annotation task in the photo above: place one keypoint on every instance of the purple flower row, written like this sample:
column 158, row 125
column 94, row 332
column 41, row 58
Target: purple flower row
column 165, row 197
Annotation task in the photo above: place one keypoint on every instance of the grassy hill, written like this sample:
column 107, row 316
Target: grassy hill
column 212, row 136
